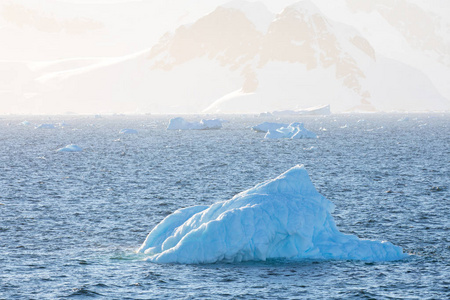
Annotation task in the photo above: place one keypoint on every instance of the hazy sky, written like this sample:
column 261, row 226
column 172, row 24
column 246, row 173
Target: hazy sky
column 51, row 48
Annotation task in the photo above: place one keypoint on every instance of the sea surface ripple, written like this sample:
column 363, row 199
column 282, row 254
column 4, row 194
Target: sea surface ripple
column 70, row 222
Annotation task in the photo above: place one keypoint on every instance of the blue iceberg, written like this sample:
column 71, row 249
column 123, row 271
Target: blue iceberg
column 281, row 218
column 293, row 131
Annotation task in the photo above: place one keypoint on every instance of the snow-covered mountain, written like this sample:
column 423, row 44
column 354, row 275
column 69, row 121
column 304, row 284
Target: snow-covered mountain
column 414, row 32
column 239, row 58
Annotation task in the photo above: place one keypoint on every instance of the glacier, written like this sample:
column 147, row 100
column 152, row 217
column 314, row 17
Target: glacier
column 181, row 124
column 293, row 131
column 283, row 218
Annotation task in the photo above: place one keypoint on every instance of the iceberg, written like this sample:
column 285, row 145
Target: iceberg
column 45, row 126
column 181, row 124
column 293, row 131
column 70, row 148
column 128, row 131
column 283, row 218
column 317, row 110
column 266, row 126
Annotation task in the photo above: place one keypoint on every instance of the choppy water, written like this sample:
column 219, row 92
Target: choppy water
column 70, row 222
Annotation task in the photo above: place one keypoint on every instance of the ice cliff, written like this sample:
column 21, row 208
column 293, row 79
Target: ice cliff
column 281, row 218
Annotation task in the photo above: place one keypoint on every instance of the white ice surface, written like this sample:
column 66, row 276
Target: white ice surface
column 281, row 218
column 293, row 131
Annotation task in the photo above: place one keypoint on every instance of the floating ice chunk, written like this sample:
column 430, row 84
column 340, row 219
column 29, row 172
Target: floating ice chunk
column 317, row 110
column 266, row 126
column 45, row 126
column 70, row 148
column 128, row 131
column 25, row 123
column 211, row 124
column 293, row 131
column 181, row 124
column 281, row 218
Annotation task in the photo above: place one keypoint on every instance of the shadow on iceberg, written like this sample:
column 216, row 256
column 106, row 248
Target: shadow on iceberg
column 281, row 218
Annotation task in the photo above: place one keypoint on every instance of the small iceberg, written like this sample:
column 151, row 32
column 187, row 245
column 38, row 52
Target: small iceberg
column 293, row 131
column 45, row 126
column 25, row 123
column 70, row 148
column 317, row 110
column 181, row 124
column 128, row 131
column 266, row 126
column 281, row 218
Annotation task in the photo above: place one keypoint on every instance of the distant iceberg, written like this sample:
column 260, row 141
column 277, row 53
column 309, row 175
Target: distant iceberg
column 181, row 124
column 128, row 131
column 293, row 131
column 317, row 110
column 266, row 126
column 25, row 123
column 45, row 126
column 281, row 218
column 70, row 148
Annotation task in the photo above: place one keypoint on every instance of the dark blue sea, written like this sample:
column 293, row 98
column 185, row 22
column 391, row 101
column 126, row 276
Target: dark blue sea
column 70, row 222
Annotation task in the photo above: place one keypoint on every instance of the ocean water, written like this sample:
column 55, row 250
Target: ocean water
column 70, row 222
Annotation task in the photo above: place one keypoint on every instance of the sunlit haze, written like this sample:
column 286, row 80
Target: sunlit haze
column 220, row 57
